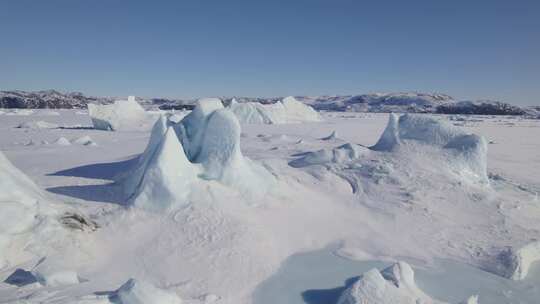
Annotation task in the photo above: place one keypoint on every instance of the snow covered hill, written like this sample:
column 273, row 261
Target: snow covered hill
column 47, row 99
column 408, row 102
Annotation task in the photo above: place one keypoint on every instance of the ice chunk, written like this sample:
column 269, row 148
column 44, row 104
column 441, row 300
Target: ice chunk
column 390, row 136
column 57, row 278
column 289, row 110
column 140, row 292
column 122, row 115
column 20, row 201
column 40, row 124
column 132, row 178
column 168, row 176
column 251, row 113
column 85, row 140
column 191, row 129
column 164, row 176
column 515, row 263
column 468, row 152
column 394, row 284
column 222, row 158
column 342, row 154
column 62, row 141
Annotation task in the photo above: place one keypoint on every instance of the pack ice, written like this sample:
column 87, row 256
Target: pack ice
column 121, row 115
column 394, row 284
column 288, row 110
column 203, row 146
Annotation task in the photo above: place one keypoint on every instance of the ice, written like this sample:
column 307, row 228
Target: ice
column 62, row 141
column 340, row 155
column 132, row 178
column 21, row 204
column 85, row 141
column 289, row 110
column 164, row 174
column 394, row 284
column 122, row 115
column 251, row 113
column 516, row 262
column 141, row 292
column 332, row 136
column 37, row 125
column 167, row 178
column 191, row 129
column 54, row 278
column 467, row 152
column 222, row 158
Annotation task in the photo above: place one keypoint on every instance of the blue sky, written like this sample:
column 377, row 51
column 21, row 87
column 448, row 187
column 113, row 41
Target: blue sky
column 468, row 49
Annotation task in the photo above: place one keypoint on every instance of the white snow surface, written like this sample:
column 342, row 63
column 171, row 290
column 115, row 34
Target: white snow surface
column 379, row 204
column 289, row 110
column 394, row 284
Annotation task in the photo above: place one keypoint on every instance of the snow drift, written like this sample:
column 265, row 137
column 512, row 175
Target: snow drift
column 288, row 110
column 394, row 284
column 467, row 152
column 122, row 115
column 205, row 145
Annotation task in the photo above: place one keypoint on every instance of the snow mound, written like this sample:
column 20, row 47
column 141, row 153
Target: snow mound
column 467, row 152
column 339, row 155
column 122, row 115
column 168, row 176
column 85, row 141
column 394, row 284
column 289, row 110
column 62, row 141
column 37, row 125
column 140, row 292
column 205, row 145
column 516, row 262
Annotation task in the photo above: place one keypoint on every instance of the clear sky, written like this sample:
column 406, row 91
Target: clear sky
column 469, row 49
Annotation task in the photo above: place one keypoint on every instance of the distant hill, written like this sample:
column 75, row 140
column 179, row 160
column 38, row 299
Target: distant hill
column 408, row 102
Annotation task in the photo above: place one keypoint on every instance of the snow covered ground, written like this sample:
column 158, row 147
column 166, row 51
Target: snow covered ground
column 416, row 202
